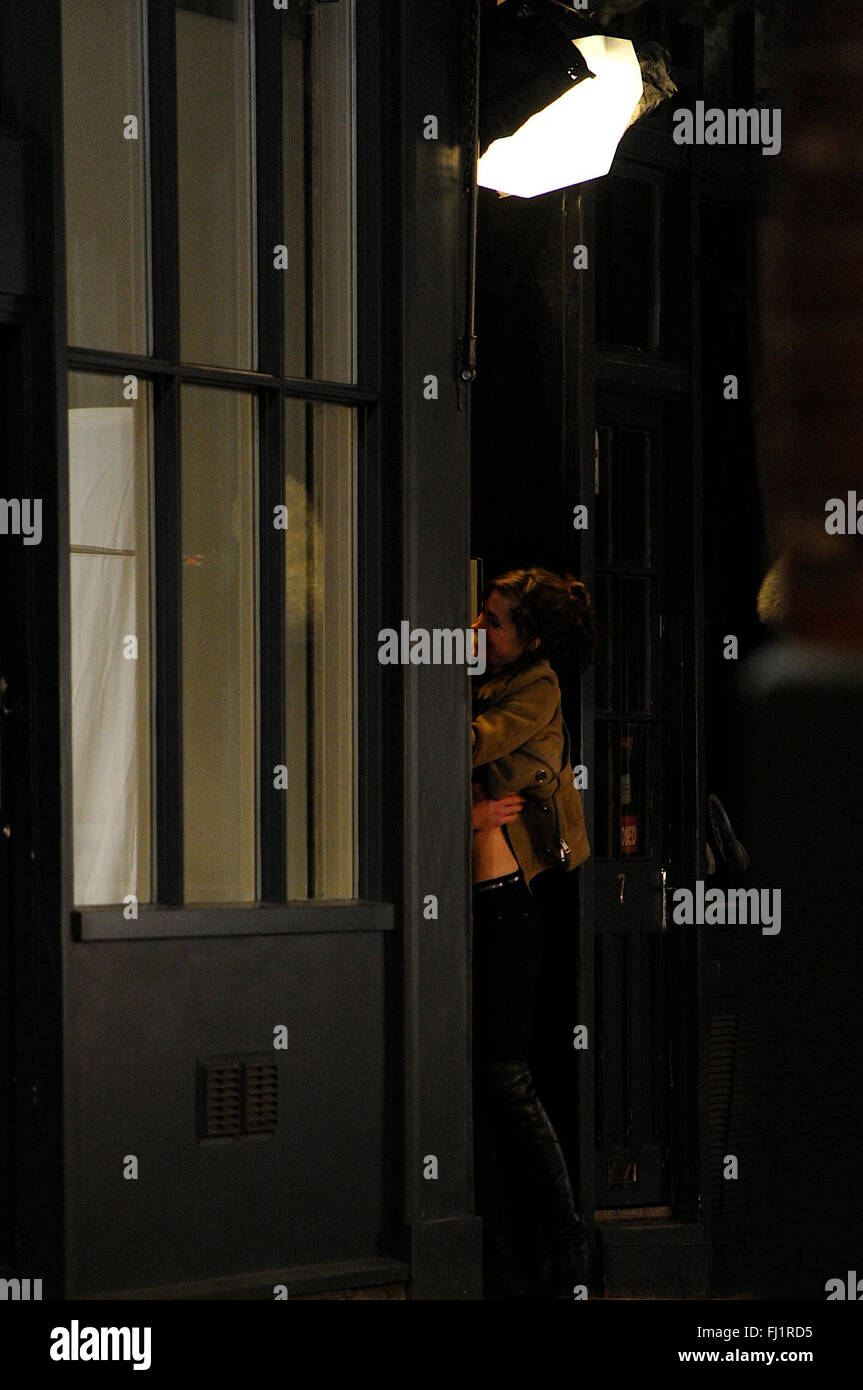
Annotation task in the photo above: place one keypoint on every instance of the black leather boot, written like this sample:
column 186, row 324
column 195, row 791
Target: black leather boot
column 523, row 1118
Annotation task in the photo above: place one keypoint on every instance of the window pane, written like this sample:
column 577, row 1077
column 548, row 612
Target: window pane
column 106, row 203
column 634, row 483
column 214, row 151
column 604, row 798
column 604, row 493
column 320, row 716
column 632, row 639
column 109, row 531
column 605, row 617
column 219, row 645
column 318, row 142
column 627, row 287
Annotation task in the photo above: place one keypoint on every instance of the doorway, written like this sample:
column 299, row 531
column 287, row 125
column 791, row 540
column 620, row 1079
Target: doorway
column 563, row 414
column 631, row 588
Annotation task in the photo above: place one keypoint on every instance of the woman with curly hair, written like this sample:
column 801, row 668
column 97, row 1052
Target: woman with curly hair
column 527, row 820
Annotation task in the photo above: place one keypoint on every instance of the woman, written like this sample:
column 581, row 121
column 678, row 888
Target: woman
column 527, row 819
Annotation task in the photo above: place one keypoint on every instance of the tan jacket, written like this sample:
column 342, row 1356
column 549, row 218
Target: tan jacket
column 518, row 738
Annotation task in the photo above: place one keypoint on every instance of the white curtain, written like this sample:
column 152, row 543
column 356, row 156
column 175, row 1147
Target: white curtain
column 104, row 682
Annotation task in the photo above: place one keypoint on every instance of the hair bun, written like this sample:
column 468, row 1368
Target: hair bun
column 576, row 588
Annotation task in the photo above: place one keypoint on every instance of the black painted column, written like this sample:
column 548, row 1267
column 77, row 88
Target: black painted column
column 438, row 1199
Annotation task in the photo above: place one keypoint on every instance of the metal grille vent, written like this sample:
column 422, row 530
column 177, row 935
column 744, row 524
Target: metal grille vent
column 236, row 1096
column 261, row 1097
column 221, row 1108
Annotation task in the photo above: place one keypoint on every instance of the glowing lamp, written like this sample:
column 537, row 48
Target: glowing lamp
column 576, row 137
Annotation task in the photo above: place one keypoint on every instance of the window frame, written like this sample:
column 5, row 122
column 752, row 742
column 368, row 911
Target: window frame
column 167, row 373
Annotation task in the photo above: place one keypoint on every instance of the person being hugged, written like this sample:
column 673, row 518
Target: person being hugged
column 527, row 820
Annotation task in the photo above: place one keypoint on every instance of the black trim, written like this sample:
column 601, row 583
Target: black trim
column 166, row 539
column 269, row 199
column 168, row 642
column 376, row 714
column 269, row 191
column 305, row 19
column 272, row 825
column 228, row 919
column 302, row 1281
column 311, row 661
column 164, row 182
column 340, row 393
column 36, row 630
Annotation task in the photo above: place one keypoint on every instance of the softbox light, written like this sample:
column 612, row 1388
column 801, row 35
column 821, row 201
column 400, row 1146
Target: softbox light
column 575, row 137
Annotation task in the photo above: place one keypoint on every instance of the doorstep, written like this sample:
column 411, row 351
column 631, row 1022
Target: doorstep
column 653, row 1258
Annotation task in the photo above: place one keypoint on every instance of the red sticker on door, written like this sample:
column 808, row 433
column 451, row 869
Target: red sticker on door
column 629, row 834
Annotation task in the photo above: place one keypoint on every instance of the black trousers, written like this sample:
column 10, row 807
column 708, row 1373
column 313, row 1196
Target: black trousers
column 523, row 1189
column 507, row 957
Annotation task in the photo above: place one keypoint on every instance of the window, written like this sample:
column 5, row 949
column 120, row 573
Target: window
column 107, row 231
column 626, row 593
column 216, row 183
column 219, row 659
column 215, row 428
column 110, row 573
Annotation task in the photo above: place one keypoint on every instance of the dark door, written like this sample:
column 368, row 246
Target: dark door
column 10, row 593
column 632, row 593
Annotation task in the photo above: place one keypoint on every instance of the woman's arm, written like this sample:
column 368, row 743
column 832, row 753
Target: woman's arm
column 513, row 721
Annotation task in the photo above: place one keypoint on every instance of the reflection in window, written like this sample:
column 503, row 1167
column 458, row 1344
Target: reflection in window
column 219, row 645
column 634, row 785
column 604, row 800
column 604, row 664
column 628, row 268
column 634, row 484
column 106, row 202
column 318, row 177
column 633, row 641
column 604, row 495
column 214, row 152
column 622, row 826
column 320, row 713
column 110, row 608
column 625, row 593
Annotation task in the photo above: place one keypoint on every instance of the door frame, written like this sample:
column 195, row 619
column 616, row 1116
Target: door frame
column 678, row 383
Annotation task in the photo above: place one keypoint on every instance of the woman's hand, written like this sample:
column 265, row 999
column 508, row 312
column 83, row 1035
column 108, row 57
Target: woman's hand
column 490, row 814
